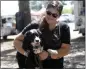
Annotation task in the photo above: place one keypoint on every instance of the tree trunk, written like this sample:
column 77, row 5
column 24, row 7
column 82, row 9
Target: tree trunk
column 25, row 8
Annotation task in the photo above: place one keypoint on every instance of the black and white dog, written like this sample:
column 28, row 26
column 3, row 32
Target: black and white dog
column 32, row 42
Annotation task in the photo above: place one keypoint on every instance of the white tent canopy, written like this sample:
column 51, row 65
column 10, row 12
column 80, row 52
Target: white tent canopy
column 9, row 7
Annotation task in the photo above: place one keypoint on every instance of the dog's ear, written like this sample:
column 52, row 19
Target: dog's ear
column 27, row 35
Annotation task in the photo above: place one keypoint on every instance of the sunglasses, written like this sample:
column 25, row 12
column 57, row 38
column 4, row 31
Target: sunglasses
column 53, row 14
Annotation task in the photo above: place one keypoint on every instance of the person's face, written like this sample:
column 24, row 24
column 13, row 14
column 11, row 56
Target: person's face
column 51, row 15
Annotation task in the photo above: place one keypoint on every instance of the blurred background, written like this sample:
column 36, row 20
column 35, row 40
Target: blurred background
column 15, row 15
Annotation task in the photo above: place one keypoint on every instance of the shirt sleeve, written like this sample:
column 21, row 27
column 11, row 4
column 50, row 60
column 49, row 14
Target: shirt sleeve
column 65, row 34
column 29, row 27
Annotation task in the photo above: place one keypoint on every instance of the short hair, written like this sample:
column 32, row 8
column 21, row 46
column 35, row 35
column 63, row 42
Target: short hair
column 58, row 6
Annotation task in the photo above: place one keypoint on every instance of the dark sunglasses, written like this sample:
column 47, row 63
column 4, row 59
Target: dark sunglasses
column 53, row 14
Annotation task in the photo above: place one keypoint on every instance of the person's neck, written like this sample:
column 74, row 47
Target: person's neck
column 51, row 27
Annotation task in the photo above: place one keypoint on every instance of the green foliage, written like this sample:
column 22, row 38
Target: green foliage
column 35, row 5
column 67, row 10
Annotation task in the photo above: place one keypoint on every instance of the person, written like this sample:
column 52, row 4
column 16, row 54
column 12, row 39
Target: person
column 55, row 37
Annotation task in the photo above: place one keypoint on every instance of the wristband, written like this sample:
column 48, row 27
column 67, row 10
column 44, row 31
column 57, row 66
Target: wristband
column 49, row 55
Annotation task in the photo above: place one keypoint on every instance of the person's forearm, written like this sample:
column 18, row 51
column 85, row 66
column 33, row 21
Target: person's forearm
column 56, row 54
column 62, row 52
column 18, row 45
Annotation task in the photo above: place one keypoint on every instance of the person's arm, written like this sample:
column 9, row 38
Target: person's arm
column 65, row 40
column 18, row 43
column 63, row 51
column 56, row 54
column 20, row 37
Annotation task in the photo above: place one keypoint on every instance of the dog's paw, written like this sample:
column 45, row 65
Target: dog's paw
column 52, row 51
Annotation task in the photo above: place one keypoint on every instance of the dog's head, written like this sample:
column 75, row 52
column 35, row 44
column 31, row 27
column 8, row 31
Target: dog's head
column 32, row 37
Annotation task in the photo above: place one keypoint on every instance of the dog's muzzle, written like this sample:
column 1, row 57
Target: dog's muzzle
column 37, row 48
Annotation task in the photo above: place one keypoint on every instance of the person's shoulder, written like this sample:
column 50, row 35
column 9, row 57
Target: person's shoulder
column 33, row 24
column 63, row 25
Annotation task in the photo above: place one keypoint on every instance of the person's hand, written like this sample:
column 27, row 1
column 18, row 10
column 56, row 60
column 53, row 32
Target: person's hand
column 43, row 55
column 54, row 56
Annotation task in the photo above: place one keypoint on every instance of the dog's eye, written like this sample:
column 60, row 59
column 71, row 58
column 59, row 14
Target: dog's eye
column 35, row 34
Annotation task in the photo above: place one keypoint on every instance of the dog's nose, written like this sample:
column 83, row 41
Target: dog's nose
column 37, row 40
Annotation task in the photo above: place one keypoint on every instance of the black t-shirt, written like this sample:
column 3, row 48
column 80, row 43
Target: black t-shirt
column 29, row 27
column 53, row 39
column 62, row 30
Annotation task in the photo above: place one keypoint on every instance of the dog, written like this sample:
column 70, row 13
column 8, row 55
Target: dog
column 32, row 42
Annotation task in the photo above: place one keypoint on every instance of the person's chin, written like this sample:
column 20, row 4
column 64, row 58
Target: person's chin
column 50, row 21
